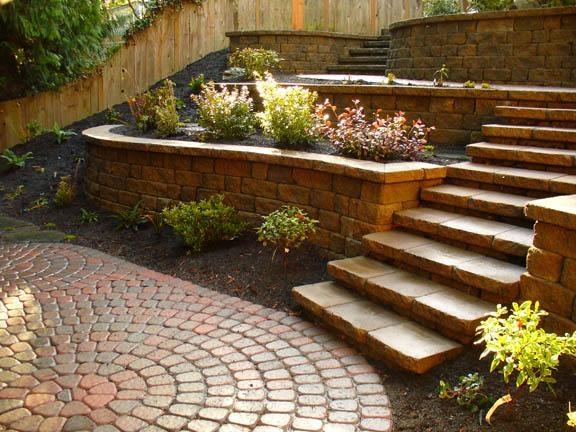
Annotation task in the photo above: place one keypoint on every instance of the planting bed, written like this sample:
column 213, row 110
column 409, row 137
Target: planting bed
column 243, row 269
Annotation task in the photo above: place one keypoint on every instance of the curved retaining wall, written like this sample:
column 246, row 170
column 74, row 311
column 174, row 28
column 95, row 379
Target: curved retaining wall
column 530, row 46
column 301, row 51
column 349, row 197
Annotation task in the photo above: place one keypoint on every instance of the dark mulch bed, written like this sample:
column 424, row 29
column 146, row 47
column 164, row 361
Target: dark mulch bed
column 242, row 268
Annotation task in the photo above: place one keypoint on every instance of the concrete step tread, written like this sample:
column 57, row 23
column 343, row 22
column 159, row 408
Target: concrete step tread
column 381, row 332
column 520, row 153
column 498, row 203
column 467, row 229
column 412, row 294
column 462, row 265
column 545, row 133
column 543, row 114
column 368, row 51
column 547, row 181
column 368, row 60
column 384, row 43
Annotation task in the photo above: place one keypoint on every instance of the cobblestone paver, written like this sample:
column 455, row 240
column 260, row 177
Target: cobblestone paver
column 89, row 342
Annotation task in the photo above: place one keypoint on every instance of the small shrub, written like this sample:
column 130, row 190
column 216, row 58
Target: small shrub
column 66, row 192
column 156, row 110
column 15, row 194
column 441, row 7
column 202, row 222
column 195, row 84
column 88, row 217
column 156, row 220
column 286, row 229
column 391, row 79
column 33, row 129
column 113, row 116
column 571, row 417
column 376, row 139
column 130, row 218
column 288, row 115
column 490, row 5
column 440, row 76
column 226, row 113
column 15, row 161
column 255, row 61
column 61, row 135
column 486, row 86
column 469, row 392
column 37, row 204
column 469, row 84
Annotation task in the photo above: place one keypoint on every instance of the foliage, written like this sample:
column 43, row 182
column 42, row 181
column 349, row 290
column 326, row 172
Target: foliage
column 286, row 228
column 353, row 135
column 469, row 84
column 156, row 109
column 44, row 44
column 37, row 204
column 60, row 134
column 226, row 113
column 255, row 61
column 33, row 129
column 113, row 116
column 288, row 115
column 195, row 83
column 520, row 348
column 485, row 86
column 88, row 216
column 490, row 5
column 16, row 193
column 440, row 76
column 571, row 417
column 130, row 218
column 66, row 192
column 441, row 7
column 391, row 78
column 469, row 392
column 15, row 161
column 156, row 220
column 203, row 222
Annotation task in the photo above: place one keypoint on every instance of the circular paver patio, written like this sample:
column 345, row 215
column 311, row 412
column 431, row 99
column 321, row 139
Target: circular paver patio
column 89, row 342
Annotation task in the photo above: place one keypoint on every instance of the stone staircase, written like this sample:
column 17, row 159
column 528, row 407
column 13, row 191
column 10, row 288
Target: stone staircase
column 371, row 59
column 417, row 295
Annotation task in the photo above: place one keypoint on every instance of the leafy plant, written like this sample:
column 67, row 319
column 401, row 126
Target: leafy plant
column 202, row 222
column 33, row 129
column 156, row 220
column 130, row 218
column 49, row 225
column 469, row 392
column 195, row 83
column 16, row 161
column 66, row 192
column 441, row 7
column 521, row 350
column 354, row 135
column 490, row 5
column 288, row 115
column 113, row 116
column 226, row 113
column 61, row 135
column 156, row 109
column 286, row 229
column 469, row 84
column 391, row 78
column 16, row 193
column 571, row 417
column 485, row 86
column 37, row 204
column 440, row 76
column 255, row 61
column 88, row 217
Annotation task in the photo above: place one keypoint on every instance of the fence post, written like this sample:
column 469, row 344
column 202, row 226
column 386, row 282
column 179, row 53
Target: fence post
column 297, row 14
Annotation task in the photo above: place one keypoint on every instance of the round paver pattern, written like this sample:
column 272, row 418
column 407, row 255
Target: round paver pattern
column 89, row 342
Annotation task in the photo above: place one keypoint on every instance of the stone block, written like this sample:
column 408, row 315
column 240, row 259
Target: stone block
column 569, row 274
column 259, row 188
column 555, row 239
column 294, row 194
column 347, row 186
column 552, row 296
column 543, row 264
column 155, row 174
column 322, row 199
column 329, row 220
column 312, row 179
column 280, row 174
column 203, row 165
column 213, row 181
column 233, row 168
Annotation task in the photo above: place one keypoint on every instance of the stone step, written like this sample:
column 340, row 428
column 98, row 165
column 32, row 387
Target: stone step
column 537, row 156
column 483, row 233
column 384, row 43
column 368, row 68
column 369, row 60
column 520, row 134
column 381, row 333
column 453, row 313
column 536, row 114
column 520, row 178
column 369, row 51
column 489, row 275
column 385, row 34
column 479, row 200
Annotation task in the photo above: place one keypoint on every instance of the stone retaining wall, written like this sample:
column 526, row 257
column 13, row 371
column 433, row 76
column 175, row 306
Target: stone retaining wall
column 530, row 46
column 457, row 113
column 350, row 198
column 551, row 264
column 302, row 51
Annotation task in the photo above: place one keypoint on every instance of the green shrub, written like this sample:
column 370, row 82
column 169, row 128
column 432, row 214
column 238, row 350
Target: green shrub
column 226, row 113
column 255, row 61
column 195, row 84
column 156, row 110
column 571, row 417
column 44, row 44
column 490, row 5
column 286, row 229
column 203, row 222
column 441, row 7
column 61, row 135
column 288, row 115
column 469, row 392
column 66, row 192
column 88, row 216
column 130, row 218
column 15, row 161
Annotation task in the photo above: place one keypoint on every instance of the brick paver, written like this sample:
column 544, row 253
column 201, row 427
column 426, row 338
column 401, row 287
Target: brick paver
column 89, row 342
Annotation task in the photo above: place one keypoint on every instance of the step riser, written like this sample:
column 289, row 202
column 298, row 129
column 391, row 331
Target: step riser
column 532, row 143
column 544, row 123
column 536, row 194
column 531, row 133
column 377, row 44
column 532, row 116
column 361, row 69
column 364, row 60
column 513, row 163
column 362, row 52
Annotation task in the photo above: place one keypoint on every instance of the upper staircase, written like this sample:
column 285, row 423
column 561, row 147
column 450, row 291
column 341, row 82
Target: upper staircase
column 371, row 58
column 419, row 292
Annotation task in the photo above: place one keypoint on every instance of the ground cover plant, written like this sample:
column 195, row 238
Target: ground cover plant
column 156, row 110
column 255, row 62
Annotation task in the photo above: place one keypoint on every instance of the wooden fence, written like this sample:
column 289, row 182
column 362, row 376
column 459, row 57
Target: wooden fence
column 180, row 37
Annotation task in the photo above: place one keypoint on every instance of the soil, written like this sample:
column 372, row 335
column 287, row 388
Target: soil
column 244, row 269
